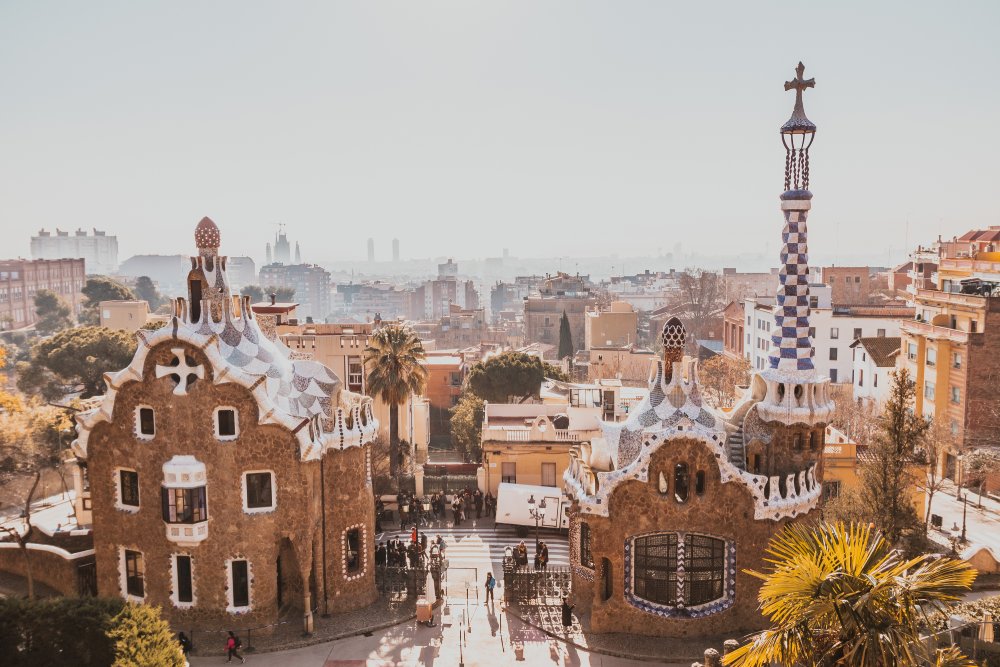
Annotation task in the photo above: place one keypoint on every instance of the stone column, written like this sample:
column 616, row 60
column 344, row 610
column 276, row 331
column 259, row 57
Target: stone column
column 307, row 615
column 418, row 480
column 712, row 658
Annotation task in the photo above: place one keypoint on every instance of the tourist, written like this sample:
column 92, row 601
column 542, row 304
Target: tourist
column 521, row 554
column 477, row 498
column 567, row 613
column 456, row 511
column 490, row 584
column 541, row 556
column 233, row 645
column 185, row 643
column 490, row 503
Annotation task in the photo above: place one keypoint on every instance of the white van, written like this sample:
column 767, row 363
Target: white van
column 513, row 508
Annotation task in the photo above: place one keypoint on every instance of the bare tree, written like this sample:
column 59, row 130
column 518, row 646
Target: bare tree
column 22, row 539
column 936, row 444
column 698, row 301
column 979, row 465
column 719, row 377
column 857, row 420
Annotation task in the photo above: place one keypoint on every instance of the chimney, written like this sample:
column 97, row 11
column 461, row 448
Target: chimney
column 273, row 297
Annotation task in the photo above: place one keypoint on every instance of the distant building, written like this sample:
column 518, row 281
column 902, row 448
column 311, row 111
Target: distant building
column 20, row 280
column 615, row 326
column 167, row 271
column 874, row 359
column 98, row 250
column 737, row 285
column 310, row 282
column 126, row 315
column 733, row 328
column 848, row 284
column 558, row 294
column 282, row 249
column 446, row 371
column 448, row 269
column 242, row 272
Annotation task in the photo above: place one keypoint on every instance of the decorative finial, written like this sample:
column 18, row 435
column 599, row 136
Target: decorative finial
column 206, row 235
column 797, row 135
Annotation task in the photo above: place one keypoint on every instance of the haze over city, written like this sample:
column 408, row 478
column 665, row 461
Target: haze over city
column 563, row 129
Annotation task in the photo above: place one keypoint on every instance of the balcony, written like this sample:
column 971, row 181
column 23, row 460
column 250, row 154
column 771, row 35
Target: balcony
column 914, row 328
column 978, row 268
column 952, row 298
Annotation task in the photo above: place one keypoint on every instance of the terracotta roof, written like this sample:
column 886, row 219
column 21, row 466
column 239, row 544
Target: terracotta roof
column 874, row 310
column 883, row 349
column 981, row 235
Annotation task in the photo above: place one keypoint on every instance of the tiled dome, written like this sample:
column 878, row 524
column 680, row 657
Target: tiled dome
column 206, row 234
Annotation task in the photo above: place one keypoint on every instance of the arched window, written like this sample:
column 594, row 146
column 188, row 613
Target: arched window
column 586, row 556
column 812, row 440
column 677, row 569
column 797, row 442
column 681, row 482
column 607, row 587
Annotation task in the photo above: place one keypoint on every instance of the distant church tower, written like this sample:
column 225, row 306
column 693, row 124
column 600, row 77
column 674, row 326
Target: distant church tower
column 282, row 249
column 267, row 251
column 298, row 253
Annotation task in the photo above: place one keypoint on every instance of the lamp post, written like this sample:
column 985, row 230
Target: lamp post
column 965, row 507
column 538, row 514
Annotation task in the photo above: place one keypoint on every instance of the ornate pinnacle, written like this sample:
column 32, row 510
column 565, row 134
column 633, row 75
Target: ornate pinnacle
column 798, row 123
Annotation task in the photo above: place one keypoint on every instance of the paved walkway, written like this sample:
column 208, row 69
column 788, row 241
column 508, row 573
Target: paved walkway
column 982, row 524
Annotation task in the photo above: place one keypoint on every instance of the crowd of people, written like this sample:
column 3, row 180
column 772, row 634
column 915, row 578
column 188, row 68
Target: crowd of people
column 520, row 555
column 463, row 505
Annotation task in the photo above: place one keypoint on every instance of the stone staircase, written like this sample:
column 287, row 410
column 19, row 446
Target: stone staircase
column 737, row 453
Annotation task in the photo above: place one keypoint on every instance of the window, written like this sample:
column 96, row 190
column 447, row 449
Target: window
column 508, row 472
column 184, row 588
column 258, row 490
column 239, row 572
column 861, row 377
column 880, row 333
column 548, row 474
column 352, row 550
column 355, row 374
column 857, row 333
column 662, row 576
column 681, row 482
column 812, row 440
column 135, row 574
column 929, row 390
column 875, row 379
column 607, row 585
column 831, row 489
column 814, row 302
column 973, row 326
column 699, row 482
column 833, row 375
column 128, row 489
column 797, row 442
column 586, row 556
column 956, row 395
column 931, row 356
column 226, row 423
column 184, row 505
column 812, row 332
column 833, row 354
column 956, row 360
column 146, row 422
column 834, row 332
column 911, row 351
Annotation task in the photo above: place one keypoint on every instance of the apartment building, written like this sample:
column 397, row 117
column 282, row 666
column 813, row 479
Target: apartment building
column 20, row 280
column 310, row 282
column 874, row 360
column 613, row 327
column 848, row 284
column 952, row 344
column 99, row 250
column 561, row 293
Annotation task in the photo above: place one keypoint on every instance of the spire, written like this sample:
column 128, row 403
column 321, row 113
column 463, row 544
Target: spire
column 206, row 236
column 298, row 253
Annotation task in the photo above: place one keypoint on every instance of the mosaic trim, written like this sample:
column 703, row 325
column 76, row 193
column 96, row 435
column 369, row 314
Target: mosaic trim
column 681, row 611
column 362, row 552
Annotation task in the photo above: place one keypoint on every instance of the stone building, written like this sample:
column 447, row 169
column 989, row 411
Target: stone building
column 21, row 279
column 561, row 293
column 671, row 506
column 228, row 479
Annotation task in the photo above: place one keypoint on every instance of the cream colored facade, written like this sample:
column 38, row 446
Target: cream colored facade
column 341, row 347
column 126, row 315
column 615, row 327
column 623, row 363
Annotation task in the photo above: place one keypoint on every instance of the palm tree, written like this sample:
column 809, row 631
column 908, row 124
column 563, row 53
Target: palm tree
column 839, row 595
column 393, row 359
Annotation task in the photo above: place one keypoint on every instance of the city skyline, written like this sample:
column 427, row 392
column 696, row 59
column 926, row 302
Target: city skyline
column 423, row 123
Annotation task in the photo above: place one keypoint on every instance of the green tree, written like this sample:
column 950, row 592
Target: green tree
column 467, row 425
column 281, row 294
column 255, row 292
column 72, row 357
column 50, row 631
column 146, row 290
column 565, row 337
column 143, row 639
column 101, row 288
column 840, row 595
column 53, row 313
column 510, row 377
column 886, row 479
column 393, row 359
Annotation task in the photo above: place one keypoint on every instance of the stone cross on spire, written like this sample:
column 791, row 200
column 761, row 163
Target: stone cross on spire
column 798, row 122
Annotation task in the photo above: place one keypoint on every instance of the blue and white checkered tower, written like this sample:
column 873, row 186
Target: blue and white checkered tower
column 795, row 393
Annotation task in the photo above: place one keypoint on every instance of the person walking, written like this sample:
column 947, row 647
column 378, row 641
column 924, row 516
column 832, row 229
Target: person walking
column 185, row 643
column 567, row 614
column 490, row 585
column 233, row 645
column 478, row 500
column 489, row 502
column 542, row 557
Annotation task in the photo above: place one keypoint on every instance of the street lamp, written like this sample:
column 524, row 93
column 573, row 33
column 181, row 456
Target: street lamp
column 538, row 514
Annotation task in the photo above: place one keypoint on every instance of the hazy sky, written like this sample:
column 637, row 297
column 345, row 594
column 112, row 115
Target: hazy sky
column 551, row 128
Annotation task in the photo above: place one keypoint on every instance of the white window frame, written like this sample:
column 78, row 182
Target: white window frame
column 274, row 492
column 362, row 552
column 132, row 509
column 138, row 429
column 230, row 606
column 236, row 423
column 123, row 575
column 175, row 588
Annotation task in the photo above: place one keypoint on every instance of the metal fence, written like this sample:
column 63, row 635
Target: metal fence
column 398, row 584
column 538, row 587
column 449, row 483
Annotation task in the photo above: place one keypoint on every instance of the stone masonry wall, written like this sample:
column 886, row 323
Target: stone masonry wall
column 723, row 511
